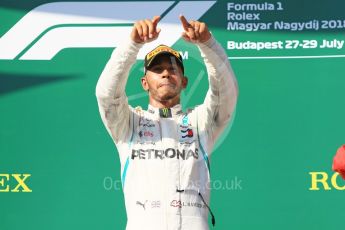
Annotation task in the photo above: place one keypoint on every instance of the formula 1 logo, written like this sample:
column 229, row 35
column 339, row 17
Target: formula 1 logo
column 49, row 28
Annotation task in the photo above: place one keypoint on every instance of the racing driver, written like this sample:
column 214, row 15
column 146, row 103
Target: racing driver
column 165, row 151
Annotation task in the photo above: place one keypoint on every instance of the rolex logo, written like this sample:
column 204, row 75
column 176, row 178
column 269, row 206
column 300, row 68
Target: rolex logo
column 7, row 186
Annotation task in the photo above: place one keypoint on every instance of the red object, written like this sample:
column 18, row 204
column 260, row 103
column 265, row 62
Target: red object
column 190, row 133
column 339, row 161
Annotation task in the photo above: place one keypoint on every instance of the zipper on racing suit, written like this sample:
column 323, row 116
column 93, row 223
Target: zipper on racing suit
column 203, row 200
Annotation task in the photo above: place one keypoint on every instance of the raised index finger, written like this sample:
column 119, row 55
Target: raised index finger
column 155, row 20
column 185, row 23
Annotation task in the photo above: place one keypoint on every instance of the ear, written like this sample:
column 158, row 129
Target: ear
column 184, row 82
column 144, row 83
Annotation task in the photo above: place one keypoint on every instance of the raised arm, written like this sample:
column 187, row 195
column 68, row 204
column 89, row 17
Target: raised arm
column 221, row 97
column 220, row 101
column 110, row 90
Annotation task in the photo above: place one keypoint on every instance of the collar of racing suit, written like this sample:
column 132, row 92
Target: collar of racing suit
column 165, row 112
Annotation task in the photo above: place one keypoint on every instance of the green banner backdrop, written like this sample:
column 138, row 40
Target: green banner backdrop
column 59, row 169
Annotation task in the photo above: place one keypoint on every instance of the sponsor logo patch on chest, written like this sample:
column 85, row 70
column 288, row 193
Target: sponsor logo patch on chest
column 186, row 131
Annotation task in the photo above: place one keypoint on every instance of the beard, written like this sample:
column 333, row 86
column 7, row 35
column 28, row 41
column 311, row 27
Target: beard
column 166, row 95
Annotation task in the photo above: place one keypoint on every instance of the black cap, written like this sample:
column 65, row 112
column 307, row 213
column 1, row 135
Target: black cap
column 160, row 50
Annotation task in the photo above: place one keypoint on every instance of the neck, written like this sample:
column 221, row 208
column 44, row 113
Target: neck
column 164, row 104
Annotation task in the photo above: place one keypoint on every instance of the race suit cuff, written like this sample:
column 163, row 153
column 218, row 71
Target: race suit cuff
column 135, row 46
column 128, row 49
column 210, row 43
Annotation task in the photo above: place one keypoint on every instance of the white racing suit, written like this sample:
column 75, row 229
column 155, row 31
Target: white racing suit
column 165, row 154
